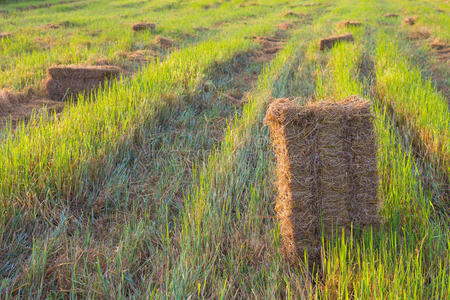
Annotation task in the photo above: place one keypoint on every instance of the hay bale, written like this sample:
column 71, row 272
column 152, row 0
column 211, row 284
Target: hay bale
column 5, row 35
column 329, row 42
column 438, row 44
column 409, row 20
column 69, row 80
column 164, row 42
column 419, row 34
column 326, row 169
column 391, row 15
column 349, row 23
column 285, row 26
column 143, row 26
column 289, row 13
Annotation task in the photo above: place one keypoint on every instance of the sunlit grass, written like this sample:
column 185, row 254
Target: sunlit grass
column 214, row 235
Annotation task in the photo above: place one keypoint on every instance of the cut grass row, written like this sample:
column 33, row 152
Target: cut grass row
column 60, row 160
column 415, row 103
column 408, row 256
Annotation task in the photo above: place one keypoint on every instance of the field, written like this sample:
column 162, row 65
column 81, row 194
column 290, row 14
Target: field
column 163, row 183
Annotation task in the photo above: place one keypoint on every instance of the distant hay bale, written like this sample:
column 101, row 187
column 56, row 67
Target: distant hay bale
column 410, row 20
column 5, row 35
column 69, row 80
column 349, row 23
column 419, row 34
column 330, row 41
column 391, row 15
column 164, row 42
column 438, row 44
column 143, row 26
column 285, row 26
column 289, row 13
column 326, row 169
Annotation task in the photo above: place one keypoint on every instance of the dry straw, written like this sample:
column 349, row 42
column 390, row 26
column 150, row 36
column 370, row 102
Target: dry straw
column 326, row 169
column 63, row 81
column 329, row 42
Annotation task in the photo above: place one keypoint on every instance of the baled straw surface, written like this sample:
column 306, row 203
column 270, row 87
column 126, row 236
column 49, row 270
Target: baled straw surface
column 329, row 42
column 63, row 81
column 326, row 169
column 143, row 26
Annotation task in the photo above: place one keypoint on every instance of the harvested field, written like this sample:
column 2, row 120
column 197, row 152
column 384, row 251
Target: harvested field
column 329, row 42
column 65, row 81
column 326, row 169
column 135, row 160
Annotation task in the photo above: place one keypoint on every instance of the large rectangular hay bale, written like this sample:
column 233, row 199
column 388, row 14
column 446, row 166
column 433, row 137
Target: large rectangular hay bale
column 326, row 169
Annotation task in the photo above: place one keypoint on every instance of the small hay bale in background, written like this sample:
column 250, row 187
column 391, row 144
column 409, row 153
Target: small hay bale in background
column 410, row 20
column 69, row 80
column 5, row 35
column 348, row 23
column 327, row 43
column 163, row 42
column 289, row 13
column 144, row 26
column 391, row 15
column 419, row 34
column 326, row 169
column 438, row 44
column 285, row 26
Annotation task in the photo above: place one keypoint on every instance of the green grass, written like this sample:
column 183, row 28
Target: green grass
column 90, row 37
column 163, row 188
column 397, row 260
column 423, row 109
